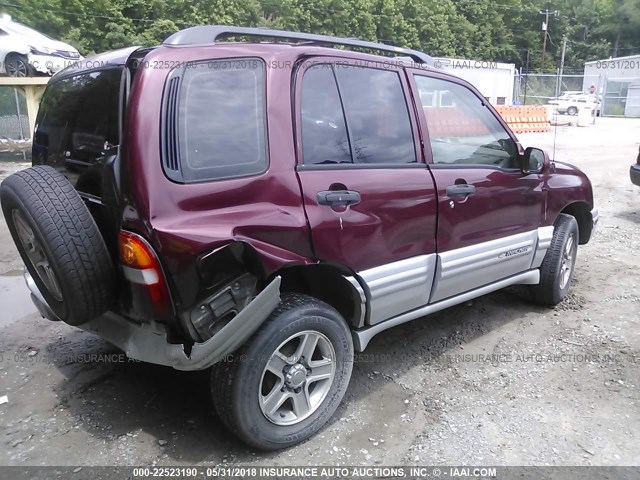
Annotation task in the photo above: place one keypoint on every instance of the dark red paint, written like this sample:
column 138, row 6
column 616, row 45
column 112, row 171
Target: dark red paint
column 404, row 212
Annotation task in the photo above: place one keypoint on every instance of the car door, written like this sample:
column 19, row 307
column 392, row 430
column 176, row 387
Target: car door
column 368, row 195
column 489, row 211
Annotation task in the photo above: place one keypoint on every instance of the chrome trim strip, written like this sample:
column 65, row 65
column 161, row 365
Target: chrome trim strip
column 361, row 338
column 398, row 287
column 466, row 268
column 545, row 235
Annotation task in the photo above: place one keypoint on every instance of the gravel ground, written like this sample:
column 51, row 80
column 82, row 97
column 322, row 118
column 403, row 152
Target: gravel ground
column 496, row 381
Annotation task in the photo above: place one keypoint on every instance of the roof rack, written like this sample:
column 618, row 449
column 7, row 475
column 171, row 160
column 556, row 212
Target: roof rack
column 204, row 34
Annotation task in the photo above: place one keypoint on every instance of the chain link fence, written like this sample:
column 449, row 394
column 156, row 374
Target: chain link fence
column 14, row 127
column 14, row 123
column 619, row 97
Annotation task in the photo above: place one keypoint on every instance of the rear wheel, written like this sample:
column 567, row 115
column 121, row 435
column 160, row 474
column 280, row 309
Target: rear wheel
column 17, row 65
column 288, row 380
column 572, row 110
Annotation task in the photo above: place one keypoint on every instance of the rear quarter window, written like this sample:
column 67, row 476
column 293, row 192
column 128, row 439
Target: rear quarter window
column 221, row 118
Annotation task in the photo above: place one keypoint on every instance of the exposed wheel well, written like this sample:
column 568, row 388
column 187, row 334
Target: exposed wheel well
column 582, row 213
column 326, row 283
column 333, row 284
column 13, row 52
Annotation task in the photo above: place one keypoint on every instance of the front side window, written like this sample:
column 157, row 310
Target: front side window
column 461, row 128
column 222, row 120
column 355, row 115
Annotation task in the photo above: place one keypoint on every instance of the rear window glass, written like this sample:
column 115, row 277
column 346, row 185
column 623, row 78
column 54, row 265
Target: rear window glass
column 77, row 125
column 221, row 118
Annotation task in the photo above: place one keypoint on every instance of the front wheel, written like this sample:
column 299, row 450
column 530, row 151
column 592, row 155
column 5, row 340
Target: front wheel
column 287, row 381
column 572, row 111
column 558, row 266
column 18, row 65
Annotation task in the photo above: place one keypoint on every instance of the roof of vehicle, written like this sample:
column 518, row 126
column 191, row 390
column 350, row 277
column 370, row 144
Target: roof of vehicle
column 172, row 51
column 205, row 34
column 578, row 97
column 209, row 35
column 30, row 36
column 20, row 29
column 101, row 60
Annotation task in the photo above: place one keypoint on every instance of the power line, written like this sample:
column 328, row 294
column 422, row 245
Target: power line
column 67, row 12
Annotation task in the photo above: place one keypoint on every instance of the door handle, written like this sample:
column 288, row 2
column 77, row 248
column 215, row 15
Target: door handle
column 460, row 190
column 338, row 198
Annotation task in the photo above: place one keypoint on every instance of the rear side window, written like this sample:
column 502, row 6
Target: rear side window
column 354, row 115
column 377, row 115
column 221, row 120
column 324, row 132
column 77, row 125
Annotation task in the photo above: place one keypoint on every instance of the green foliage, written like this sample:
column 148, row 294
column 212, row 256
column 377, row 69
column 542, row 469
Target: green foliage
column 500, row 30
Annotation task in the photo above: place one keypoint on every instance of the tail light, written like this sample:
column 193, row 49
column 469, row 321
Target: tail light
column 141, row 266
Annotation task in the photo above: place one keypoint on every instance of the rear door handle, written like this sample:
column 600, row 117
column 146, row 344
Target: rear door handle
column 337, row 198
column 460, row 190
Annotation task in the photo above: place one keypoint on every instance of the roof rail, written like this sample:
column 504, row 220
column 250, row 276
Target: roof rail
column 204, row 34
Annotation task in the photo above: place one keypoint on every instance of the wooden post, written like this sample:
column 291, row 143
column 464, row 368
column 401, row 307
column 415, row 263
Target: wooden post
column 32, row 88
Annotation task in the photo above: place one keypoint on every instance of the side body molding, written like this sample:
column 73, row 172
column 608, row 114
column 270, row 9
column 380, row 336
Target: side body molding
column 361, row 338
column 545, row 235
column 399, row 286
column 418, row 286
column 472, row 267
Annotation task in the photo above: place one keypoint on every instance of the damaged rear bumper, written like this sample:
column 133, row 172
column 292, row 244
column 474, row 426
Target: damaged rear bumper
column 145, row 343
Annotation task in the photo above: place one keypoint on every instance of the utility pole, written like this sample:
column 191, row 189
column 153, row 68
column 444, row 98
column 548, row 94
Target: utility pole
column 15, row 92
column 545, row 26
column 526, row 80
column 564, row 49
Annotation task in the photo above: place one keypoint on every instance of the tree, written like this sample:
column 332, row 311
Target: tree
column 499, row 30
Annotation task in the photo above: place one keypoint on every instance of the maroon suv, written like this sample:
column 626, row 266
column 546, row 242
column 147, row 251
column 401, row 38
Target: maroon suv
column 266, row 208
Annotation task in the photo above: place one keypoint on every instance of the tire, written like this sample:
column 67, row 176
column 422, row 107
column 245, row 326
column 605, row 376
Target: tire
column 59, row 243
column 241, row 384
column 17, row 65
column 555, row 279
column 572, row 111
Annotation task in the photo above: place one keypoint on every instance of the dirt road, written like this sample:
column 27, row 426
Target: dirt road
column 496, row 381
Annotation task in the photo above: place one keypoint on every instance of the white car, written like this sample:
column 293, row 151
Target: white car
column 570, row 104
column 25, row 52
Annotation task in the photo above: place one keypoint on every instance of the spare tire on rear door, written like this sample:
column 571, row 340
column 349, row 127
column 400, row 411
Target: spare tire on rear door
column 59, row 243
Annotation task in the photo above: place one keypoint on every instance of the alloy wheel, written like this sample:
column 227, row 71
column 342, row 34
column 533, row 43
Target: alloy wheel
column 36, row 255
column 17, row 68
column 566, row 265
column 297, row 378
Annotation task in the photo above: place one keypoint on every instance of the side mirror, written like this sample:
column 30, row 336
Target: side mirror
column 534, row 160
